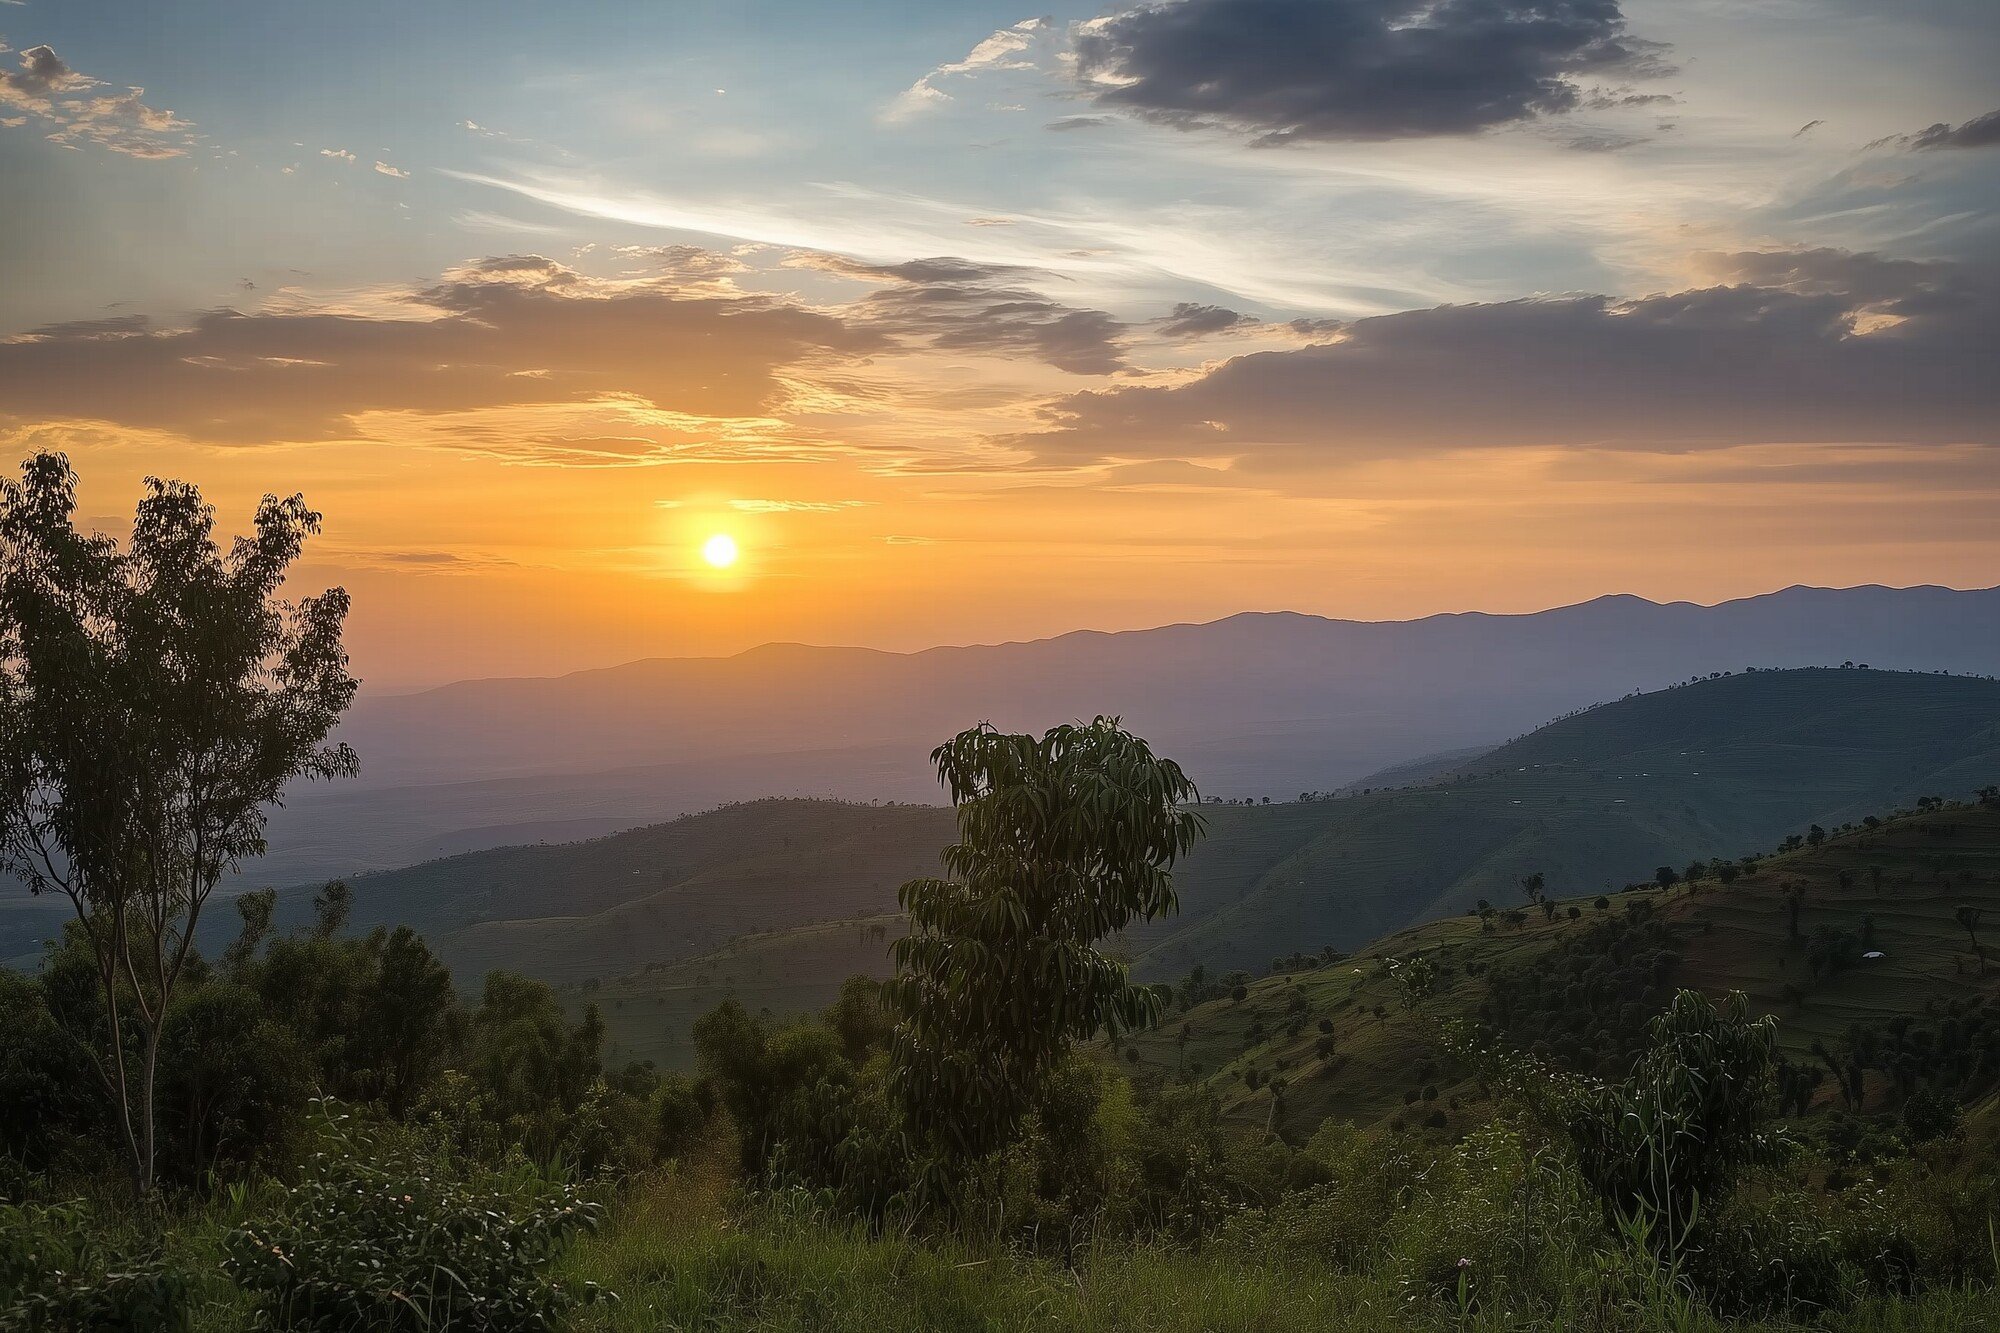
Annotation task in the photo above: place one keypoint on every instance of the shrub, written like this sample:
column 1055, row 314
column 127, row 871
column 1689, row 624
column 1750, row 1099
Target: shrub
column 1665, row 1147
column 388, row 1240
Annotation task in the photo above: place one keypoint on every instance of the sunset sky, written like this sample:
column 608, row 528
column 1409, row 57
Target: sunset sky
column 973, row 324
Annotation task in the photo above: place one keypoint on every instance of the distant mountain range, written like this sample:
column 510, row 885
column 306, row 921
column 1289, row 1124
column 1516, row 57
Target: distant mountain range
column 1257, row 704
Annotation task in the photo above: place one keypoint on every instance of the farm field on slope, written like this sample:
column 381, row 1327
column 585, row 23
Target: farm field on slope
column 1734, row 937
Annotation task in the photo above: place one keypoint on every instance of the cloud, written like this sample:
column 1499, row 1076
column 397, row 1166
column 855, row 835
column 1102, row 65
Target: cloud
column 385, row 169
column 339, row 154
column 504, row 332
column 1000, row 51
column 1357, row 69
column 45, row 87
column 962, row 305
column 1979, row 132
column 794, row 506
column 416, row 562
column 1068, row 124
column 688, row 265
column 1191, row 319
column 1813, row 346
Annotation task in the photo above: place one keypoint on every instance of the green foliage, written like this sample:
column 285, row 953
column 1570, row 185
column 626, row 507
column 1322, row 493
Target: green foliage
column 379, row 1237
column 682, row 1108
column 154, row 701
column 1585, row 1002
column 49, row 1102
column 233, row 1083
column 532, row 1069
column 805, row 1116
column 1063, row 839
column 1671, row 1139
column 377, row 1016
column 65, row 1269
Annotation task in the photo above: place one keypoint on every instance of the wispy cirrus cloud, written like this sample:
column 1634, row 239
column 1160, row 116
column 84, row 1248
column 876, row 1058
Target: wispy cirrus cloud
column 795, row 506
column 1007, row 49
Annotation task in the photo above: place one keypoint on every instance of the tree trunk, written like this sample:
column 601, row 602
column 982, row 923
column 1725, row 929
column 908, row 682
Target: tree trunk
column 146, row 1157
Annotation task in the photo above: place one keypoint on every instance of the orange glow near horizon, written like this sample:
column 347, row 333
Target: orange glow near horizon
column 451, row 579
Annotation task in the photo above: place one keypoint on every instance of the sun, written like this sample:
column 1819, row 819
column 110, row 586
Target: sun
column 719, row 550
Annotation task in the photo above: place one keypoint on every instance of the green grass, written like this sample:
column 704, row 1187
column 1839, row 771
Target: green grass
column 680, row 1261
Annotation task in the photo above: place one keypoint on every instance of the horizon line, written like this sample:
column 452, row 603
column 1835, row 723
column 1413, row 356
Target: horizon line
column 1083, row 631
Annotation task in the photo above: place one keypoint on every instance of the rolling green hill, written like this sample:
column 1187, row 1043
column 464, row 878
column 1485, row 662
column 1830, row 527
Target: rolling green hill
column 1717, row 767
column 1364, row 1063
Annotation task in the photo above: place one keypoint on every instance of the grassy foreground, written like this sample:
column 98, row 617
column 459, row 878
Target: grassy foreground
column 678, row 1262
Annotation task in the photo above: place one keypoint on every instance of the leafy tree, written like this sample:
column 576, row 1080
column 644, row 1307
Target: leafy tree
column 533, row 1068
column 154, row 701
column 1832, row 950
column 377, row 1017
column 1063, row 839
column 1535, row 889
column 1967, row 917
column 859, row 1020
column 1666, row 877
column 234, row 1088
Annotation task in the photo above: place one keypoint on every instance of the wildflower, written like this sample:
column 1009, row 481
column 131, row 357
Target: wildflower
column 1465, row 1263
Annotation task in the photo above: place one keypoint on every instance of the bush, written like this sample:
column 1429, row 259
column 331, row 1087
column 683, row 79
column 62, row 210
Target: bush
column 681, row 1110
column 61, row 1271
column 385, row 1239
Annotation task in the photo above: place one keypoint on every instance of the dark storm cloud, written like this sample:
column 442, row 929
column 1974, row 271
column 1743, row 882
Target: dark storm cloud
column 955, row 304
column 1358, row 69
column 502, row 332
column 1815, row 346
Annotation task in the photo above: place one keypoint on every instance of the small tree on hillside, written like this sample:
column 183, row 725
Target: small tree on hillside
column 1535, row 889
column 1063, row 839
column 1968, row 920
column 153, row 702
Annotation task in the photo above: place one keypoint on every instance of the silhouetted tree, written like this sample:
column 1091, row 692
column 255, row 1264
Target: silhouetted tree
column 154, row 701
